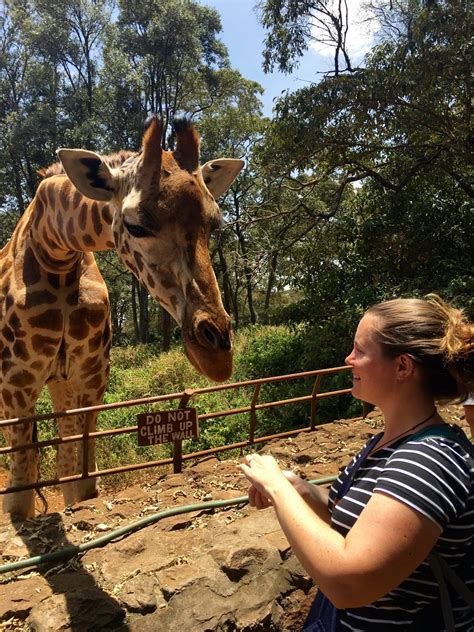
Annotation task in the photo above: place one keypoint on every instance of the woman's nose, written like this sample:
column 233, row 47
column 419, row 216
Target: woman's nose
column 350, row 358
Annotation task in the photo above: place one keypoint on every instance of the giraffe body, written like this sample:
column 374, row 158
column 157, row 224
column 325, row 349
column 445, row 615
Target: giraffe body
column 156, row 211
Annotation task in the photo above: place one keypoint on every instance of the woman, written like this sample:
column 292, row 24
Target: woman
column 365, row 542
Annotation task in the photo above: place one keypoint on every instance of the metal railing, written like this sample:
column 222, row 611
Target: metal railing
column 183, row 398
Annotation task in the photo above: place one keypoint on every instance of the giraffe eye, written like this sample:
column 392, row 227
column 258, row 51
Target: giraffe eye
column 136, row 231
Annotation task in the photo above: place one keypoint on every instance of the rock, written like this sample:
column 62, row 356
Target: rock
column 86, row 609
column 86, row 520
column 132, row 494
column 139, row 595
column 18, row 601
column 204, row 465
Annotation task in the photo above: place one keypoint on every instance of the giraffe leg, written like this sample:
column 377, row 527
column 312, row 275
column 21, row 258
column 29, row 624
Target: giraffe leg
column 87, row 487
column 66, row 395
column 23, row 467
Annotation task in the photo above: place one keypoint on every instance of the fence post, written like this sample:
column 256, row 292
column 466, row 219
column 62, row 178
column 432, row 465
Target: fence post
column 314, row 401
column 178, row 445
column 253, row 413
column 85, row 445
column 366, row 408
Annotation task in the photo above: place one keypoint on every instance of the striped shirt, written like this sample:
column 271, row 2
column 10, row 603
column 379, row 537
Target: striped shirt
column 431, row 475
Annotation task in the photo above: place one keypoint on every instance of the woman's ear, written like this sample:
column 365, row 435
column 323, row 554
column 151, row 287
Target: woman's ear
column 405, row 367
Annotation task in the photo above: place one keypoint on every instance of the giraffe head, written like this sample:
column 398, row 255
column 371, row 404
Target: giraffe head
column 164, row 210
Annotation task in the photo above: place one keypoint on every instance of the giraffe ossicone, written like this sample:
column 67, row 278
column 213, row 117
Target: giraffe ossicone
column 157, row 209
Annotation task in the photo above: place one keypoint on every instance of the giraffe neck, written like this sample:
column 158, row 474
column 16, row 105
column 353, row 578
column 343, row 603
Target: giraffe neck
column 64, row 225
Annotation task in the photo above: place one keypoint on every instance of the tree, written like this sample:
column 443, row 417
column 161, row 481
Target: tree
column 293, row 24
column 48, row 79
column 399, row 125
column 413, row 97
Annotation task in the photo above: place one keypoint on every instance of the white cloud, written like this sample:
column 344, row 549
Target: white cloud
column 360, row 36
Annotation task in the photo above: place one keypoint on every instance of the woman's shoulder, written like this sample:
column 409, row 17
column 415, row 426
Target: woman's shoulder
column 445, row 440
column 444, row 446
column 434, row 471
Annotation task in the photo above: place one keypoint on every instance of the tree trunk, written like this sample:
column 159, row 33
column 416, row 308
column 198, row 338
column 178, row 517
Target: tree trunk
column 166, row 329
column 135, row 310
column 226, row 289
column 270, row 282
column 141, row 324
column 247, row 269
column 248, row 283
column 144, row 325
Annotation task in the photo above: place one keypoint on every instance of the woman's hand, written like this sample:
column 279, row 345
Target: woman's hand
column 259, row 501
column 298, row 483
column 264, row 474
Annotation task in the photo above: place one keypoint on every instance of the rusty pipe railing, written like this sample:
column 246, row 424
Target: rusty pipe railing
column 184, row 397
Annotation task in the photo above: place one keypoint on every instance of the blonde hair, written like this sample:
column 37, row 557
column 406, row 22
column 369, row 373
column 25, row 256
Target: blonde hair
column 436, row 335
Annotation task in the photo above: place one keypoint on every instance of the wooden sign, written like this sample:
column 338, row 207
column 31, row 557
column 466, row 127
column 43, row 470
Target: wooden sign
column 166, row 426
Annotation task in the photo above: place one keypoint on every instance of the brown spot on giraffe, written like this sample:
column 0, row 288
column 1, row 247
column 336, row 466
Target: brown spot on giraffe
column 22, row 378
column 44, row 345
column 91, row 366
column 89, row 242
column 20, row 399
column 40, row 297
column 94, row 382
column 7, row 398
column 64, row 194
column 16, row 324
column 83, row 216
column 54, row 280
column 139, row 261
column 96, row 218
column 31, row 269
column 7, row 333
column 50, row 319
column 71, row 277
column 107, row 215
column 20, row 351
column 95, row 341
column 73, row 298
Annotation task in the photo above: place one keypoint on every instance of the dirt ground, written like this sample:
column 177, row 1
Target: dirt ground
column 312, row 455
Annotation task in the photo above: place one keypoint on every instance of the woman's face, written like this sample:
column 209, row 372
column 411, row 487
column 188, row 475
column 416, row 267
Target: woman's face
column 374, row 376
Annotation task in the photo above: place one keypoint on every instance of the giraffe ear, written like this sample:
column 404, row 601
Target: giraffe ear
column 88, row 173
column 219, row 174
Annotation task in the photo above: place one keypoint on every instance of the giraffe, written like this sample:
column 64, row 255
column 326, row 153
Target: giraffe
column 157, row 210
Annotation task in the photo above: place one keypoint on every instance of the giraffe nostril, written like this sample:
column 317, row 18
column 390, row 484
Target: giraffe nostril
column 225, row 341
column 212, row 337
column 209, row 334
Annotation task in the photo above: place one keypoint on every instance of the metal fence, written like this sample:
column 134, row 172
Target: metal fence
column 183, row 400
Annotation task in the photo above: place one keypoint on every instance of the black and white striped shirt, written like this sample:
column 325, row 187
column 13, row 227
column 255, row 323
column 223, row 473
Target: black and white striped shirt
column 431, row 475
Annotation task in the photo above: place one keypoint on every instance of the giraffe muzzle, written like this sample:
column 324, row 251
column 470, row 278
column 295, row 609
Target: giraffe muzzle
column 208, row 345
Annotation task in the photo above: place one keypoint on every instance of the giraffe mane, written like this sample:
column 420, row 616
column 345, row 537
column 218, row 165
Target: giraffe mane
column 113, row 160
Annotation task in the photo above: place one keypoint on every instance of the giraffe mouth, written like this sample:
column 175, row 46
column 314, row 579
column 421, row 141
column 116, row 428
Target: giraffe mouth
column 209, row 347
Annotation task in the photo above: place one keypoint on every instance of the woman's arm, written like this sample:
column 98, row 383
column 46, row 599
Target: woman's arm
column 385, row 545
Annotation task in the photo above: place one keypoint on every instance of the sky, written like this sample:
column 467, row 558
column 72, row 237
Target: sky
column 243, row 35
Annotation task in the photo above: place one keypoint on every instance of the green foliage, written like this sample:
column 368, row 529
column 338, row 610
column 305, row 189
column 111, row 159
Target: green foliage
column 271, row 351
